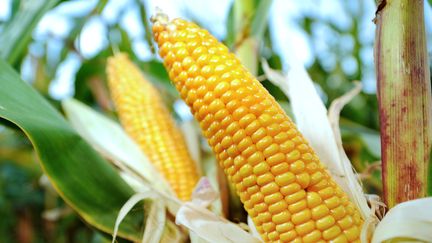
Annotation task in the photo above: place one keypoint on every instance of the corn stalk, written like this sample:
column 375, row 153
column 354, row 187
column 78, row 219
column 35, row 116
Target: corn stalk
column 404, row 95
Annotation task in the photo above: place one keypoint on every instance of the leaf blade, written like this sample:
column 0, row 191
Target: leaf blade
column 80, row 175
column 17, row 33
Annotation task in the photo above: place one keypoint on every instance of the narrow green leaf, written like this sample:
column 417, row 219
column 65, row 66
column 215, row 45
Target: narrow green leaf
column 146, row 23
column 231, row 33
column 259, row 21
column 250, row 24
column 80, row 175
column 369, row 136
column 17, row 33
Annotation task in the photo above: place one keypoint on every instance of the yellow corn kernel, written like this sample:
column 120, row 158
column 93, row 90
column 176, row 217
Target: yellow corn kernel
column 325, row 223
column 305, row 228
column 148, row 122
column 281, row 217
column 285, row 226
column 288, row 236
column 331, row 233
column 312, row 237
column 280, row 161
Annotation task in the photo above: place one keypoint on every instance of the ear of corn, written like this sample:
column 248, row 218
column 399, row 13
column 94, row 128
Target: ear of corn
column 281, row 182
column 146, row 119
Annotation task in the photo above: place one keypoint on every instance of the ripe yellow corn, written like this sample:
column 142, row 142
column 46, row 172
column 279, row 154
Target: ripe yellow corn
column 280, row 180
column 146, row 119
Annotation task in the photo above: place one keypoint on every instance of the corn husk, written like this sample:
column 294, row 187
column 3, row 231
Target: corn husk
column 172, row 234
column 410, row 221
column 205, row 224
column 107, row 137
column 407, row 222
column 155, row 220
column 308, row 108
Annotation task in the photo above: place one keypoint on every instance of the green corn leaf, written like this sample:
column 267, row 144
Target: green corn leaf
column 17, row 33
column 259, row 21
column 80, row 175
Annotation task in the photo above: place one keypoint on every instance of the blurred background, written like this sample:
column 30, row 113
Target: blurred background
column 65, row 50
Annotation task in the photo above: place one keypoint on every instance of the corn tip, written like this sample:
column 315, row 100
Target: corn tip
column 160, row 17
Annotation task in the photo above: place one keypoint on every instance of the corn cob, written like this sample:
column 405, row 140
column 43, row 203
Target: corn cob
column 280, row 180
column 146, row 119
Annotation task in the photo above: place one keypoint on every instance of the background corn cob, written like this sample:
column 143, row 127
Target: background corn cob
column 279, row 179
column 146, row 119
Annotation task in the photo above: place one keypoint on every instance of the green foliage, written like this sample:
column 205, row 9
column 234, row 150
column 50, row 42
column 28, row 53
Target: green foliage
column 74, row 168
column 16, row 34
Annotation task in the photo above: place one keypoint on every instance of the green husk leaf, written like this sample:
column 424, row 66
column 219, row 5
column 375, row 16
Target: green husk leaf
column 259, row 21
column 250, row 27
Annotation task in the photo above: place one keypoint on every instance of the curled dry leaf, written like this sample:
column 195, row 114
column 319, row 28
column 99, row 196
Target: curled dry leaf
column 156, row 217
column 210, row 227
column 206, row 225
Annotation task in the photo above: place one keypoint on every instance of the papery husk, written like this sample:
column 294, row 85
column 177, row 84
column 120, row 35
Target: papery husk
column 376, row 207
column 210, row 227
column 410, row 221
column 311, row 119
column 172, row 234
column 205, row 224
column 108, row 138
column 155, row 220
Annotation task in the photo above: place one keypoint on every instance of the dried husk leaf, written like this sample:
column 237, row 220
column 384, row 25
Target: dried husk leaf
column 333, row 116
column 308, row 108
column 172, row 234
column 210, row 227
column 206, row 225
column 107, row 137
column 410, row 221
column 156, row 218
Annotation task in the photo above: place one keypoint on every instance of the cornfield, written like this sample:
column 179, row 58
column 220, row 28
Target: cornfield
column 215, row 121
